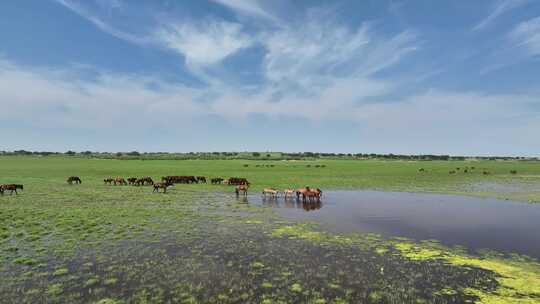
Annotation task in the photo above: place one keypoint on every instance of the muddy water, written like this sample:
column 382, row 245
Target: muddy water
column 475, row 223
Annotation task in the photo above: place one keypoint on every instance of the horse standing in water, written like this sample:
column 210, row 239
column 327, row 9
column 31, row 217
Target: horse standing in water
column 241, row 188
column 288, row 192
column 311, row 194
column 271, row 191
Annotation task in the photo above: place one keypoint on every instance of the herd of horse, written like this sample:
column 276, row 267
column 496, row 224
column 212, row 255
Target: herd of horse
column 166, row 181
column 242, row 185
column 306, row 193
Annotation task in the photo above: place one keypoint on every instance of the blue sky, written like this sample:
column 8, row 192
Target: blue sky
column 373, row 76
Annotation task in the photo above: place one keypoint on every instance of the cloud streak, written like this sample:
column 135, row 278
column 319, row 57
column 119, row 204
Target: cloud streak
column 500, row 8
column 248, row 7
column 526, row 35
column 101, row 24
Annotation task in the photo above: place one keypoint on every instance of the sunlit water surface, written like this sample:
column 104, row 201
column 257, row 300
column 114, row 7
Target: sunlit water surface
column 476, row 223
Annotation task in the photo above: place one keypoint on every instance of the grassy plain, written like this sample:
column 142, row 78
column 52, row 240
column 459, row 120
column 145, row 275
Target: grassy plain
column 198, row 244
column 36, row 173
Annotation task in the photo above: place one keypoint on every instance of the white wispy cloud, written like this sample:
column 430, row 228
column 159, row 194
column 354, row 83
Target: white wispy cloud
column 501, row 7
column 526, row 35
column 60, row 98
column 204, row 43
column 322, row 53
column 248, row 7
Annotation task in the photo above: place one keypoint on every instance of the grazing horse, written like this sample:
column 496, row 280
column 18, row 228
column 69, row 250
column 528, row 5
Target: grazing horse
column 132, row 180
column 421, row 170
column 108, row 181
column 288, row 192
column 74, row 179
column 201, row 179
column 145, row 181
column 161, row 185
column 217, row 180
column 237, row 181
column 241, row 188
column 271, row 191
column 11, row 187
column 119, row 181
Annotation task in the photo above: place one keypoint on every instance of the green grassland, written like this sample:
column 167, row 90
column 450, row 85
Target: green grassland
column 36, row 173
column 94, row 243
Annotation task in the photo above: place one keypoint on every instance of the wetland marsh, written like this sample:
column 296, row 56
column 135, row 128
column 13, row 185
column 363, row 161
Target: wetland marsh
column 94, row 243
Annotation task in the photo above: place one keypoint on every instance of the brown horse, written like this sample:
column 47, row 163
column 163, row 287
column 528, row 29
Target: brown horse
column 144, row 181
column 161, row 185
column 132, row 180
column 74, row 179
column 311, row 194
column 119, row 181
column 11, row 187
column 241, row 188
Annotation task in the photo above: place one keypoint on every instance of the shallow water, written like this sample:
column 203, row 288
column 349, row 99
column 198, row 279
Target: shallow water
column 475, row 223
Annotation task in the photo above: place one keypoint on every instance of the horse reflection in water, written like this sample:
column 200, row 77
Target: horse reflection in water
column 292, row 203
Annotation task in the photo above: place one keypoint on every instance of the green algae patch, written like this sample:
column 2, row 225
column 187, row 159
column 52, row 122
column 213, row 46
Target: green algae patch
column 519, row 278
column 301, row 231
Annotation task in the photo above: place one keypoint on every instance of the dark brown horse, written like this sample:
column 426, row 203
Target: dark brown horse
column 237, row 181
column 147, row 180
column 108, row 181
column 144, row 181
column 10, row 187
column 132, row 180
column 216, row 180
column 74, row 179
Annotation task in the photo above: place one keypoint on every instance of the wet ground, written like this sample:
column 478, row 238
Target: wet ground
column 475, row 223
column 197, row 247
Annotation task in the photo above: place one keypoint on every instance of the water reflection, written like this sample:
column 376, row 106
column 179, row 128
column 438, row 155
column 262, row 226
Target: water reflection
column 290, row 202
column 281, row 202
column 455, row 220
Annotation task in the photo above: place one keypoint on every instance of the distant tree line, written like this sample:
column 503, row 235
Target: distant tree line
column 258, row 155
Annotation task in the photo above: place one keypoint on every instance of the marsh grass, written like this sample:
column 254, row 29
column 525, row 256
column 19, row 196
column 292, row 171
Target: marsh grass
column 198, row 244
